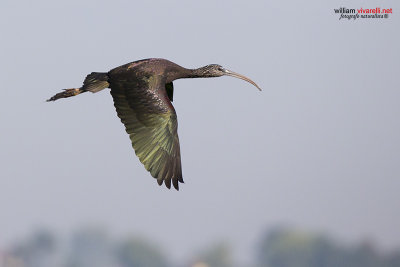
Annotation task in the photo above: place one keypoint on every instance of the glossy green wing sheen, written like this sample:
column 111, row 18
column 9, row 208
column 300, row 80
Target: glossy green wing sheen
column 152, row 127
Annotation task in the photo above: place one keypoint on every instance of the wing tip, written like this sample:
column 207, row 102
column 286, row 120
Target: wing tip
column 167, row 182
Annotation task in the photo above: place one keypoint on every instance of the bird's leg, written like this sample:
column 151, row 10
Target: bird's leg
column 66, row 93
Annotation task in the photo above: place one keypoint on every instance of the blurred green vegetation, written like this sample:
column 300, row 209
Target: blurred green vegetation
column 279, row 247
column 289, row 248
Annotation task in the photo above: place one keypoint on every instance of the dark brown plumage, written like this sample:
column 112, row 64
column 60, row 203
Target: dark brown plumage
column 142, row 92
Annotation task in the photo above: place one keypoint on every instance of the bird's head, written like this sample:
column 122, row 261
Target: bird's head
column 215, row 70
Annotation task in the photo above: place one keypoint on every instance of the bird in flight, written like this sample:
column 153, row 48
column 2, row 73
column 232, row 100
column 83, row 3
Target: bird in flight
column 142, row 92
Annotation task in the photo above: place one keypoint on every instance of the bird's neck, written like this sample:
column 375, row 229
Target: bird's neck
column 182, row 73
column 196, row 73
column 191, row 73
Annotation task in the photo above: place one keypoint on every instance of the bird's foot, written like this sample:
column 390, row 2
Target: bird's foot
column 65, row 93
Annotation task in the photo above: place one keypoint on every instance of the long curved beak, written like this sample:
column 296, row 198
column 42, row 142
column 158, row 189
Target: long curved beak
column 240, row 76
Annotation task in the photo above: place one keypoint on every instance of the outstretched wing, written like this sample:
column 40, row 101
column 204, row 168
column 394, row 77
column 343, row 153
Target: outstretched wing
column 151, row 122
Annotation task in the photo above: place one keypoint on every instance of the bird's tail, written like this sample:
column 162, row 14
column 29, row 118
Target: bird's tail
column 94, row 82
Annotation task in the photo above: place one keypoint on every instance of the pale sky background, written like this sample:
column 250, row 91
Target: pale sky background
column 318, row 148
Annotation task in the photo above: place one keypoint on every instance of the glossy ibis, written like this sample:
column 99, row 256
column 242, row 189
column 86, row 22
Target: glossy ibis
column 142, row 93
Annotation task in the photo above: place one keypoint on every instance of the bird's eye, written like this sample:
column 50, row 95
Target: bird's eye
column 220, row 68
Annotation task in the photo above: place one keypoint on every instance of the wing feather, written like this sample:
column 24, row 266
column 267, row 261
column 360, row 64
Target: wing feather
column 151, row 122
